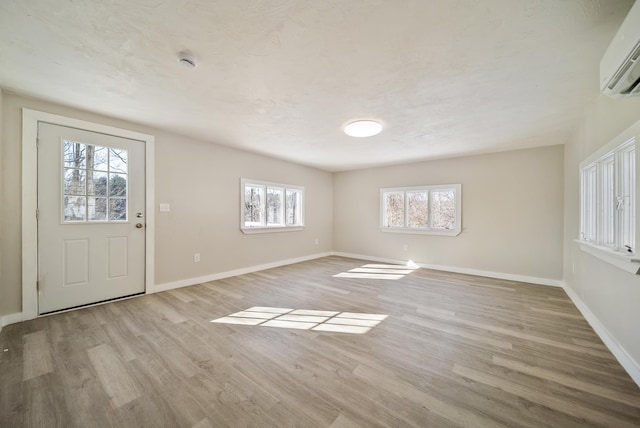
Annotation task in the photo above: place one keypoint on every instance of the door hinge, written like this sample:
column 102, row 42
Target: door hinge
column 37, row 142
column 37, row 213
column 37, row 285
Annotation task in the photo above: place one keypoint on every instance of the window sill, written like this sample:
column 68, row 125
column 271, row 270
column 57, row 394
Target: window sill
column 254, row 230
column 628, row 263
column 454, row 232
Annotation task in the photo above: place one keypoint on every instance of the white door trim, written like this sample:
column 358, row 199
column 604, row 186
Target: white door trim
column 30, row 119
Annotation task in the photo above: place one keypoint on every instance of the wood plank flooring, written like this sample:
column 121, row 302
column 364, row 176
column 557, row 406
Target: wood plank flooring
column 454, row 350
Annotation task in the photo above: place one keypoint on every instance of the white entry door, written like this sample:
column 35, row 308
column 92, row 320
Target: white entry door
column 91, row 226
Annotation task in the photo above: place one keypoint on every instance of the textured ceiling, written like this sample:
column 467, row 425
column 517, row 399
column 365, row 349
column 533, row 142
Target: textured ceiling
column 446, row 77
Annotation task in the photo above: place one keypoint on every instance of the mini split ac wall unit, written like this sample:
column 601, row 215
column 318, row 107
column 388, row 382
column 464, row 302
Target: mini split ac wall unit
column 620, row 65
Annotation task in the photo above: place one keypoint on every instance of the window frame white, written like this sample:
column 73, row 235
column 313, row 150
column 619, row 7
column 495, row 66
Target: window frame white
column 608, row 178
column 265, row 227
column 429, row 230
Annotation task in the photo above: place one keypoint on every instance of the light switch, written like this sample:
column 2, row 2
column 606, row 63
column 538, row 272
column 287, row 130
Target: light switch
column 165, row 208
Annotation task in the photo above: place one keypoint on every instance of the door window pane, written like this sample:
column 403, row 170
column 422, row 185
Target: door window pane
column 75, row 208
column 97, row 209
column 117, row 209
column 74, row 181
column 117, row 160
column 74, row 154
column 117, row 185
column 97, row 158
column 97, row 183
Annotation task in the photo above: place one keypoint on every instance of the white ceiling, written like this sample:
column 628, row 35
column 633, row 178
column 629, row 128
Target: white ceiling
column 281, row 77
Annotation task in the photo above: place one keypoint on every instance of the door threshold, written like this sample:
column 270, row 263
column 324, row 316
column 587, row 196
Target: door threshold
column 88, row 305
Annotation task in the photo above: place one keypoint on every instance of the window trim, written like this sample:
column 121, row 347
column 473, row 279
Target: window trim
column 423, row 231
column 271, row 228
column 608, row 253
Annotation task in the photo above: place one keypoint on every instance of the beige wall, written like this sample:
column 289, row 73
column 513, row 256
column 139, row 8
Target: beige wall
column 512, row 205
column 201, row 181
column 610, row 293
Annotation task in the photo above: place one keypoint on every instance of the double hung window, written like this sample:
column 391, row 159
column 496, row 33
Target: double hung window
column 608, row 194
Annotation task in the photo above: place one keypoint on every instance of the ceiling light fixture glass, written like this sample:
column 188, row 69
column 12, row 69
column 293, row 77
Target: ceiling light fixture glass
column 363, row 128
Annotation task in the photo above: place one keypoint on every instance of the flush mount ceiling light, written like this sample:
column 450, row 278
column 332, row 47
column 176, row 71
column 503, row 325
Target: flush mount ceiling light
column 363, row 128
column 187, row 60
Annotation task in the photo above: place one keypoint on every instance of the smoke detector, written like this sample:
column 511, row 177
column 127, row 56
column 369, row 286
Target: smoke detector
column 187, row 60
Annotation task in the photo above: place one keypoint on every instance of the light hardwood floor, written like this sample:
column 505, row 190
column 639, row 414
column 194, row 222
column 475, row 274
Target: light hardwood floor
column 454, row 350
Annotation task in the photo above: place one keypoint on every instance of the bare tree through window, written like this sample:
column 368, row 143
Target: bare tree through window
column 268, row 205
column 428, row 209
column 95, row 183
column 443, row 209
column 418, row 209
column 394, row 202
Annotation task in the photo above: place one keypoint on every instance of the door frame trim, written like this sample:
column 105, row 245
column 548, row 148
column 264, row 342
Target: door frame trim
column 30, row 120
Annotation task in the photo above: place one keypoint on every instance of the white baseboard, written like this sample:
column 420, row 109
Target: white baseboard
column 10, row 319
column 455, row 269
column 626, row 361
column 242, row 271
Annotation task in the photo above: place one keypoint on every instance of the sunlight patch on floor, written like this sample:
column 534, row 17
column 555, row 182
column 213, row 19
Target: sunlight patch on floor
column 305, row 319
column 379, row 271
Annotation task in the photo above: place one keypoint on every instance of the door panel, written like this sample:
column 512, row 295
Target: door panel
column 117, row 257
column 90, row 198
column 75, row 257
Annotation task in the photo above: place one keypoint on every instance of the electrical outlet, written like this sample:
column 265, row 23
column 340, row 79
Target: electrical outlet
column 317, row 241
column 196, row 258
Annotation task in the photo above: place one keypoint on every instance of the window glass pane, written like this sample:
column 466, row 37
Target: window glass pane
column 86, row 173
column 253, row 205
column 97, row 183
column 117, row 185
column 275, row 212
column 117, row 209
column 74, row 154
column 418, row 206
column 443, row 209
column 627, row 192
column 609, row 201
column 97, row 158
column 75, row 208
column 293, row 208
column 74, row 181
column 118, row 160
column 589, row 203
column 97, row 209
column 394, row 209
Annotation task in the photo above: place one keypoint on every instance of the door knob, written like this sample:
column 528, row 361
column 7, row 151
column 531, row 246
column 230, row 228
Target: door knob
column 139, row 225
